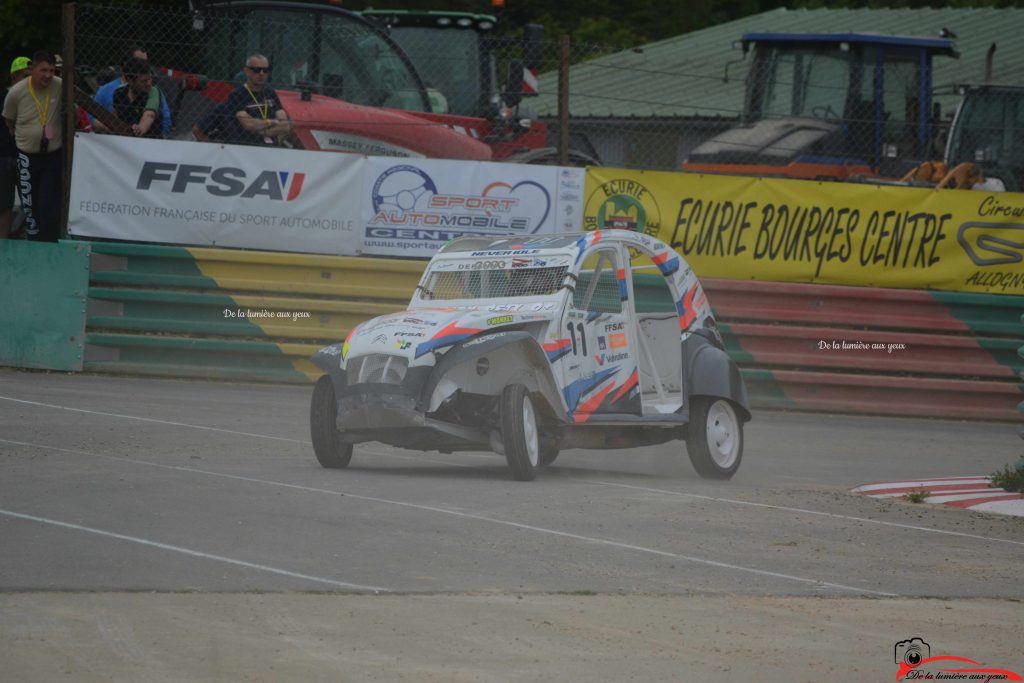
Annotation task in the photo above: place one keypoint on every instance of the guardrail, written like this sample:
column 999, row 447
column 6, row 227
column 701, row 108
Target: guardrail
column 230, row 314
column 259, row 316
column 863, row 350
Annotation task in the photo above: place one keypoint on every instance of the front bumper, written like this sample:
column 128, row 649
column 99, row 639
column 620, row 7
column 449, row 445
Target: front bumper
column 372, row 415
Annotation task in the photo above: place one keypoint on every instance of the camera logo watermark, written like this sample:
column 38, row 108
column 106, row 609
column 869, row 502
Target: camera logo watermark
column 914, row 657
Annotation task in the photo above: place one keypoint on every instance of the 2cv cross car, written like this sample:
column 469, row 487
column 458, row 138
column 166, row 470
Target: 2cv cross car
column 528, row 346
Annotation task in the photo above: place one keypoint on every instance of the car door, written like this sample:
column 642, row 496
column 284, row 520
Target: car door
column 658, row 312
column 599, row 370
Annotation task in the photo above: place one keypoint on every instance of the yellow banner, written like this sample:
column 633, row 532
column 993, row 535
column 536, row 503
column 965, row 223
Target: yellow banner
column 806, row 231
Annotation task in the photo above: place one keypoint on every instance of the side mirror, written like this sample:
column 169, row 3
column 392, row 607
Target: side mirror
column 514, row 83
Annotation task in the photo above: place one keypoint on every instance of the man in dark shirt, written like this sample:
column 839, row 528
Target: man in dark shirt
column 259, row 118
column 137, row 101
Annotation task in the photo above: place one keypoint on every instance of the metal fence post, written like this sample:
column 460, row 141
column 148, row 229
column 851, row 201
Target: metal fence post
column 70, row 110
column 563, row 100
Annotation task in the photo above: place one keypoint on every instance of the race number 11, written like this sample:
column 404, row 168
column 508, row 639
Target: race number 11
column 583, row 337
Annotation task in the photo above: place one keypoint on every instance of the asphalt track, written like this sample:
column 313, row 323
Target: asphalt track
column 184, row 530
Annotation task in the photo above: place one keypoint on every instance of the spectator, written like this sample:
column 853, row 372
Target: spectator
column 32, row 112
column 104, row 96
column 259, row 118
column 9, row 156
column 137, row 102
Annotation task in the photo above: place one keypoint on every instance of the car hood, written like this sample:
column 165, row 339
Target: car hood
column 415, row 333
column 768, row 141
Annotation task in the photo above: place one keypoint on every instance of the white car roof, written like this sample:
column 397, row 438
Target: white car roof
column 560, row 242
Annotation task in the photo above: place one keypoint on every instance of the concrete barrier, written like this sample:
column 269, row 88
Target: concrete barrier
column 259, row 316
column 42, row 319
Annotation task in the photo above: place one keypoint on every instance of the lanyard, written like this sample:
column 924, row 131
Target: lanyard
column 264, row 109
column 40, row 110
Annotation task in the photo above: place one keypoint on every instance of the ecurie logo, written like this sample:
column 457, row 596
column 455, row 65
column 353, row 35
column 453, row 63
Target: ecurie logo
column 625, row 205
column 223, row 181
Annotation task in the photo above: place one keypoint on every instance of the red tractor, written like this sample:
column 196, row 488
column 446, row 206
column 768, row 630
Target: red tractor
column 349, row 85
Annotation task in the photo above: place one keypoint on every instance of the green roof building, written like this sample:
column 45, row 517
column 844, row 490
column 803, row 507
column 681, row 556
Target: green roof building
column 647, row 107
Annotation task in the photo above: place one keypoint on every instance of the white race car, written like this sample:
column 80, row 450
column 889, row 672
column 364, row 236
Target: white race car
column 526, row 346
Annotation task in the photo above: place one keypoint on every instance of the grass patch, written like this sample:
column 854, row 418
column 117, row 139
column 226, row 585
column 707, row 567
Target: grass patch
column 1009, row 478
column 916, row 496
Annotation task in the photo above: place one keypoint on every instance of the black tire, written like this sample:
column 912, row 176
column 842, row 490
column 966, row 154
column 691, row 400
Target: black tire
column 548, row 451
column 330, row 450
column 714, row 438
column 519, row 432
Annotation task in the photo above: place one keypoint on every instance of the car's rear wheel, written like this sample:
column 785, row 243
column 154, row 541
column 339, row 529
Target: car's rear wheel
column 714, row 439
column 519, row 432
column 328, row 446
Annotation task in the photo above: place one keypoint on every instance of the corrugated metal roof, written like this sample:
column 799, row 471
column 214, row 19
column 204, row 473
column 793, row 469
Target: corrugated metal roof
column 683, row 76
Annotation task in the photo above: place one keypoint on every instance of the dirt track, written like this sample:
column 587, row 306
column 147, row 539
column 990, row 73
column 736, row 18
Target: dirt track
column 287, row 638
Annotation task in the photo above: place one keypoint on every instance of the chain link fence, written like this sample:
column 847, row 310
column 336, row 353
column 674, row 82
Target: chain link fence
column 448, row 86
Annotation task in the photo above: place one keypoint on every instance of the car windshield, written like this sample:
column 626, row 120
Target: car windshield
column 492, row 279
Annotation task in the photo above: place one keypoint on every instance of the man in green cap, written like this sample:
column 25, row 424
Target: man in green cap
column 9, row 155
column 32, row 112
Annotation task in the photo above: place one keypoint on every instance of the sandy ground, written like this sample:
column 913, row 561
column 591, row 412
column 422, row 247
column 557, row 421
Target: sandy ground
column 272, row 638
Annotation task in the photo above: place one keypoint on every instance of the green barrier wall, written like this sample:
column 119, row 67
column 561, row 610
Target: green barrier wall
column 258, row 316
column 42, row 317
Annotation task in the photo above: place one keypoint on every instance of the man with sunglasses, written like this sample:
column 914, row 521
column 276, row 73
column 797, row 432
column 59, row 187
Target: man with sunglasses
column 259, row 118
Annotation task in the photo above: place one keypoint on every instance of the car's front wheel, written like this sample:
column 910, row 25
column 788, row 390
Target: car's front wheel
column 714, row 439
column 328, row 446
column 548, row 451
column 519, row 432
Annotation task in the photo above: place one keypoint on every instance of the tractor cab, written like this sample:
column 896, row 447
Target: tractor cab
column 988, row 130
column 320, row 48
column 462, row 60
column 461, row 78
column 829, row 106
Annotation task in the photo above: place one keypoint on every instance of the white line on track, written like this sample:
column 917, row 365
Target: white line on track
column 799, row 510
column 589, row 481
column 195, row 553
column 151, row 419
column 466, row 515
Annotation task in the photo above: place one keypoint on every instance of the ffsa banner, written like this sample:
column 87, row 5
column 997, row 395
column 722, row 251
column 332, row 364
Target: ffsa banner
column 412, row 207
column 750, row 228
column 192, row 193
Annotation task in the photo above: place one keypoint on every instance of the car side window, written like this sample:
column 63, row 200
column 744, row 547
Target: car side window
column 597, row 288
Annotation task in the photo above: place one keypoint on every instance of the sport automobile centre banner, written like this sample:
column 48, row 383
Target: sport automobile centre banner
column 805, row 231
column 411, row 207
column 179, row 192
